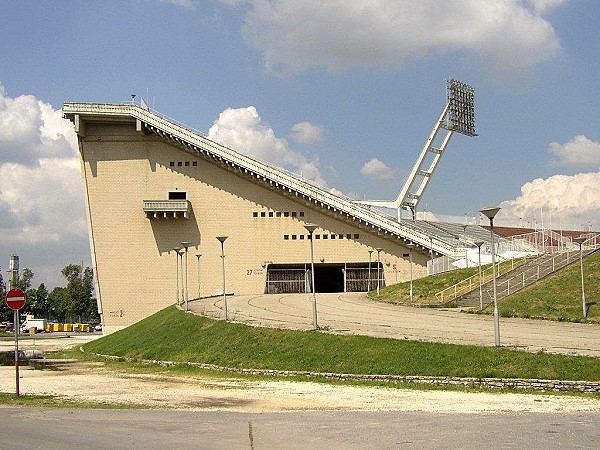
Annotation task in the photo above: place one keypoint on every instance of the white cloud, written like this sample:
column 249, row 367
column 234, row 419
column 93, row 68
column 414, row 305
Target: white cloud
column 45, row 202
column 187, row 4
column 234, row 2
column 31, row 130
column 578, row 152
column 570, row 200
column 306, row 133
column 41, row 198
column 506, row 37
column 376, row 169
column 543, row 6
column 242, row 130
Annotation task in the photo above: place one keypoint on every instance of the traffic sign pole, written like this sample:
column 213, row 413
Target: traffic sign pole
column 15, row 300
column 16, row 331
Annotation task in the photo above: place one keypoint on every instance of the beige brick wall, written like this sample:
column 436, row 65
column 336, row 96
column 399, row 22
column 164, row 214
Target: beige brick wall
column 135, row 257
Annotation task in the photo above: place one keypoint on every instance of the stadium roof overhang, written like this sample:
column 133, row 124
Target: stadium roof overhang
column 272, row 177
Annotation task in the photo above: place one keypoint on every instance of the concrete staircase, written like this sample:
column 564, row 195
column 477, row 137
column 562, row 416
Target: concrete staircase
column 521, row 277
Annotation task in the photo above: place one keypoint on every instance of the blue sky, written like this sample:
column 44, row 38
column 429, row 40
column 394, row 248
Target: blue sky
column 344, row 93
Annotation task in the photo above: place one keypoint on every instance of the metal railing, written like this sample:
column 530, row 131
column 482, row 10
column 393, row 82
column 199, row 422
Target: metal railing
column 260, row 169
column 526, row 277
column 543, row 241
column 471, row 283
column 166, row 205
column 530, row 276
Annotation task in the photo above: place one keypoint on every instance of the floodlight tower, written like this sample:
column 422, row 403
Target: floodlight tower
column 458, row 116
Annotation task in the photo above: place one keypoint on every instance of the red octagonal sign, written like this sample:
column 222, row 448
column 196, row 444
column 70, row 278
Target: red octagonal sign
column 15, row 299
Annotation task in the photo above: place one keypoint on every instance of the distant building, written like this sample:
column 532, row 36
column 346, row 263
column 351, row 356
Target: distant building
column 151, row 184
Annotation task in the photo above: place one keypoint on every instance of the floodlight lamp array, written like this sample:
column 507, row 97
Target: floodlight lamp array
column 461, row 107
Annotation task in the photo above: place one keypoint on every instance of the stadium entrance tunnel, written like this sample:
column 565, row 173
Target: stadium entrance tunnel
column 332, row 277
column 329, row 278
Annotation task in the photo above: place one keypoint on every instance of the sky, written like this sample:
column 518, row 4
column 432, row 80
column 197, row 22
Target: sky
column 342, row 93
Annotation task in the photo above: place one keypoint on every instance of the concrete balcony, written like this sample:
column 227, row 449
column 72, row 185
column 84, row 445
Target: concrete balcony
column 167, row 209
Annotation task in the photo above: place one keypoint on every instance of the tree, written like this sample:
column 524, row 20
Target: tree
column 78, row 293
column 38, row 302
column 24, row 283
column 58, row 304
column 6, row 314
column 24, row 280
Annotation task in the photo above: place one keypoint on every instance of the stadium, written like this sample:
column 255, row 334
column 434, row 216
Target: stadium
column 174, row 216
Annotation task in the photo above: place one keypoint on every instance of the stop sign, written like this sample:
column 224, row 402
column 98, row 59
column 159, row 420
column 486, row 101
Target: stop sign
column 15, row 299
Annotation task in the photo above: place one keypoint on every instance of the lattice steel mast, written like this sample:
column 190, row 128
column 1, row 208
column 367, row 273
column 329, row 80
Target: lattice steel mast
column 457, row 116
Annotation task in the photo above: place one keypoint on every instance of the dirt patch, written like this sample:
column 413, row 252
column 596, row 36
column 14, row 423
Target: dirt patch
column 94, row 382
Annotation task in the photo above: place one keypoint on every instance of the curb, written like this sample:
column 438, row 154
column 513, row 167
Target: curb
column 496, row 383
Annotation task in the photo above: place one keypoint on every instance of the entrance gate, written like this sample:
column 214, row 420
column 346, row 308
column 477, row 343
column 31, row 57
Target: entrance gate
column 296, row 278
column 287, row 279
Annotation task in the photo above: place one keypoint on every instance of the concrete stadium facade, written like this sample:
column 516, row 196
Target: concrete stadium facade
column 151, row 184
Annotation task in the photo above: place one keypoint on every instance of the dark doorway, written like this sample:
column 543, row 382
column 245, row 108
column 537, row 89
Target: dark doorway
column 290, row 278
column 329, row 278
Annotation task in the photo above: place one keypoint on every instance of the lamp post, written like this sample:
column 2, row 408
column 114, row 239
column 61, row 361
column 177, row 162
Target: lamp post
column 185, row 245
column 198, row 255
column 431, row 255
column 410, row 249
column 479, row 244
column 222, row 239
column 181, row 253
column 311, row 227
column 580, row 240
column 369, row 279
column 177, row 275
column 490, row 213
column 378, row 249
column 466, row 249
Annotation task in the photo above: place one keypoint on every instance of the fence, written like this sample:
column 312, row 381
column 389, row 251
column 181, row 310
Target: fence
column 473, row 282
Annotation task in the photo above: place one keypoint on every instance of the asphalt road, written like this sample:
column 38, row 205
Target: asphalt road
column 31, row 428
column 354, row 313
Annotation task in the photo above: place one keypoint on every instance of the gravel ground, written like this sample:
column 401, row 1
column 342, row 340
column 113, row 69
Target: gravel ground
column 94, row 382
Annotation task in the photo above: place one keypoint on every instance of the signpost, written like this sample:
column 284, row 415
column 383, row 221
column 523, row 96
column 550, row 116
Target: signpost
column 15, row 300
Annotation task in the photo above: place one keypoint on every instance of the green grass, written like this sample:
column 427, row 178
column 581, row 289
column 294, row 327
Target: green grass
column 51, row 401
column 424, row 289
column 173, row 335
column 558, row 297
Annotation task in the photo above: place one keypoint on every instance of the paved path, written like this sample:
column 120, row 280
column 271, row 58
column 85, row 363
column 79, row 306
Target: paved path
column 27, row 428
column 354, row 313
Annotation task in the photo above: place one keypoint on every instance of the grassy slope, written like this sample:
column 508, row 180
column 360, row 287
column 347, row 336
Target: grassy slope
column 558, row 297
column 176, row 336
column 424, row 289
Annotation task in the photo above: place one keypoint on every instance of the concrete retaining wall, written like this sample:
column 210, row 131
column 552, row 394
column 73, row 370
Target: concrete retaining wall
column 499, row 383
